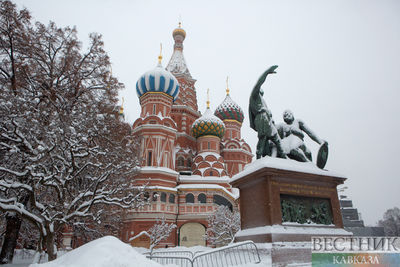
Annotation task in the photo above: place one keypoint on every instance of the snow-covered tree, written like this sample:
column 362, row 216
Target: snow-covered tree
column 223, row 224
column 63, row 149
column 391, row 222
column 160, row 231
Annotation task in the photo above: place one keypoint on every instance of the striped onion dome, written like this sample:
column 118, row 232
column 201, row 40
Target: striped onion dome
column 158, row 80
column 208, row 124
column 229, row 110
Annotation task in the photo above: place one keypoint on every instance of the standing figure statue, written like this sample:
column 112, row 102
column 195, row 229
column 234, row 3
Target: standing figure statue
column 261, row 120
column 291, row 133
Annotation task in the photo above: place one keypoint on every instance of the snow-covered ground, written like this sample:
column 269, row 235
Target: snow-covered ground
column 111, row 252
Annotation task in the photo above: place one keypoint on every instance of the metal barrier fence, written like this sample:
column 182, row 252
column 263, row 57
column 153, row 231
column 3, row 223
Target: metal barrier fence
column 179, row 253
column 231, row 255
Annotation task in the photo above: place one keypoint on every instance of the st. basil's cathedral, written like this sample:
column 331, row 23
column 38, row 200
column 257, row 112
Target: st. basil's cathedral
column 188, row 158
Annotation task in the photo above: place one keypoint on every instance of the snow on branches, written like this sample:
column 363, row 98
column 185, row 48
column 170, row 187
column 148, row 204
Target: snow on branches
column 391, row 222
column 63, row 150
column 222, row 226
column 160, row 231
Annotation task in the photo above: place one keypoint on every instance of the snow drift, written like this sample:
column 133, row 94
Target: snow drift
column 107, row 251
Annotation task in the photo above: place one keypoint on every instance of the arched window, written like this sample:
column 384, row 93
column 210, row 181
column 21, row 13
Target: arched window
column 202, row 198
column 171, row 198
column 189, row 163
column 180, row 162
column 163, row 197
column 189, row 198
column 220, row 200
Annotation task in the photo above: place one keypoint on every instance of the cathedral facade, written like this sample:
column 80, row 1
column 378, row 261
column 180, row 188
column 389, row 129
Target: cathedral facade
column 188, row 157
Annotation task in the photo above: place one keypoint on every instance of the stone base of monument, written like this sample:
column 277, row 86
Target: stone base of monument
column 285, row 203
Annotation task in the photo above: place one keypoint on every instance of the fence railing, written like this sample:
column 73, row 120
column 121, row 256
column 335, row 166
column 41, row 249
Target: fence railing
column 179, row 253
column 231, row 255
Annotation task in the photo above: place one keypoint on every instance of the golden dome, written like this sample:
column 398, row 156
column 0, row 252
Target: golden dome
column 179, row 31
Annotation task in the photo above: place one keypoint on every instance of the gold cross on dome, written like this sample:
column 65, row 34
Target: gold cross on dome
column 160, row 56
column 227, row 86
column 208, row 97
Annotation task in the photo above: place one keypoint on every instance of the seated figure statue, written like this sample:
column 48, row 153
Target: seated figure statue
column 291, row 133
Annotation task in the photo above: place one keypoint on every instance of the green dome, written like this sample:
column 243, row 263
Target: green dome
column 229, row 110
column 208, row 124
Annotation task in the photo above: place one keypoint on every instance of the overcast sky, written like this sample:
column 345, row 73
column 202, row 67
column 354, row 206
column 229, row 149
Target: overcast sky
column 339, row 69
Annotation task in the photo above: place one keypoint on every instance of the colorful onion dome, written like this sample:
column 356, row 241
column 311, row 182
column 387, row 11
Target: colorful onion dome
column 208, row 124
column 229, row 110
column 179, row 31
column 158, row 80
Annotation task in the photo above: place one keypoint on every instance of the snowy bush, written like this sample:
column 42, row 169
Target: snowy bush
column 222, row 226
column 160, row 231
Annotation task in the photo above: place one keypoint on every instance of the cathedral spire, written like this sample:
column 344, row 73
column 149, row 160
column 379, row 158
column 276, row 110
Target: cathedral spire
column 227, row 86
column 177, row 64
column 208, row 98
column 160, row 56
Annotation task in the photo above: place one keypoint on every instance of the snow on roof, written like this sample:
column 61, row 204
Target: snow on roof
column 162, row 188
column 283, row 164
column 107, row 251
column 234, row 194
column 158, row 169
column 287, row 229
column 205, row 179
column 208, row 153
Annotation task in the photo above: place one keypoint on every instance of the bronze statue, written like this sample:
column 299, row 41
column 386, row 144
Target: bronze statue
column 261, row 120
column 291, row 133
column 288, row 137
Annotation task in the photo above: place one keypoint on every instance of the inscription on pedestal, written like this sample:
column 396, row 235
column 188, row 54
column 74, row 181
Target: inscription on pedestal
column 303, row 188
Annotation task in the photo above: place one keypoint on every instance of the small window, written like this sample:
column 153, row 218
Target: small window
column 189, row 163
column 171, row 198
column 209, row 145
column 189, row 198
column 211, row 173
column 146, row 196
column 163, row 197
column 154, row 109
column 202, row 198
column 149, row 159
column 180, row 162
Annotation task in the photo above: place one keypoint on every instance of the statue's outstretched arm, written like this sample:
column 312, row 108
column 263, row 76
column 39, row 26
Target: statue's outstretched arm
column 261, row 80
column 310, row 133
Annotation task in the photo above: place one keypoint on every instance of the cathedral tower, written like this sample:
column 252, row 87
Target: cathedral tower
column 157, row 89
column 208, row 130
column 185, row 109
column 235, row 151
